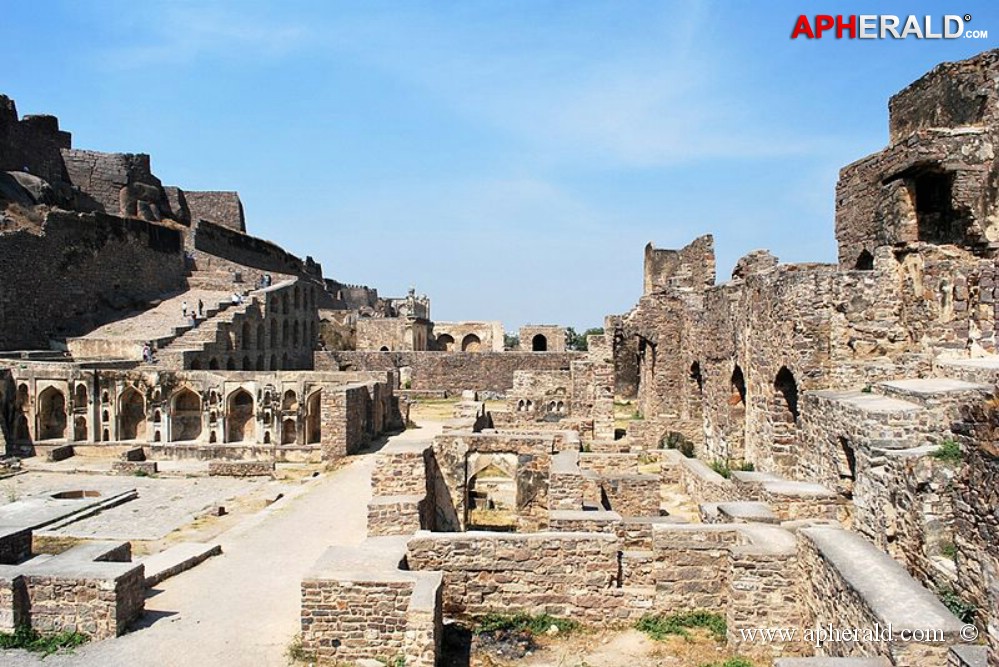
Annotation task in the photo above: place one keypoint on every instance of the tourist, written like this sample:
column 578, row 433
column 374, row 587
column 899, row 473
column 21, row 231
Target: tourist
column 236, row 299
column 147, row 353
column 201, row 308
column 183, row 308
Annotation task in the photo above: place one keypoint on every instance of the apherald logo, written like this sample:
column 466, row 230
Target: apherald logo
column 884, row 26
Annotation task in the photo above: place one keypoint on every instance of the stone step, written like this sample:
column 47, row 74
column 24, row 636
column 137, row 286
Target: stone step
column 177, row 559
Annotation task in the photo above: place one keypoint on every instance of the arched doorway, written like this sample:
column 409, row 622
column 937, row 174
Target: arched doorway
column 787, row 388
column 470, row 343
column 185, row 416
column 80, row 429
column 51, row 414
column 80, row 397
column 289, row 401
column 313, row 420
column 445, row 342
column 246, row 338
column 539, row 343
column 239, row 416
column 131, row 415
column 288, row 434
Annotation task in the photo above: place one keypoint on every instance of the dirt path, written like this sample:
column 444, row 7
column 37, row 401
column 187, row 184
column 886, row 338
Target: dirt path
column 242, row 608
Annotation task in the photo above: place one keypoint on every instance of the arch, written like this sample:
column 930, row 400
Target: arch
column 445, row 342
column 230, row 365
column 314, row 418
column 470, row 343
column 539, row 343
column 21, row 400
column 786, row 385
column 284, row 360
column 284, row 334
column 80, row 397
column 288, row 434
column 105, row 398
column 521, row 405
column 696, row 376
column 156, row 437
column 80, row 429
column 284, row 303
column 530, row 405
column 551, row 406
column 239, row 416
column 298, row 298
column 274, row 333
column 274, row 362
column 260, row 362
column 247, row 364
column 246, row 338
column 847, row 464
column 51, row 414
column 560, row 407
column 260, row 336
column 213, row 364
column 865, row 261
column 107, row 435
column 267, row 437
column 157, row 416
column 383, row 349
column 185, row 416
column 213, row 437
column 289, row 401
column 196, row 364
column 738, row 382
column 296, row 334
column 131, row 415
column 106, row 416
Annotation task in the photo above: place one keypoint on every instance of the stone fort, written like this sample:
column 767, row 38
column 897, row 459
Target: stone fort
column 808, row 444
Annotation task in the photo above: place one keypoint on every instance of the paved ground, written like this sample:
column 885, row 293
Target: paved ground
column 159, row 321
column 242, row 608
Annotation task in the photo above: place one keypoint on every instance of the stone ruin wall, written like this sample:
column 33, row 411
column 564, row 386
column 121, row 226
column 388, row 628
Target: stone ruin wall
column 34, row 142
column 288, row 415
column 222, row 208
column 103, row 264
column 454, row 372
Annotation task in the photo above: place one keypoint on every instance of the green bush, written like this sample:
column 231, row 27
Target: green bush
column 957, row 605
column 731, row 662
column 660, row 627
column 948, row 550
column 679, row 442
column 949, row 451
column 721, row 467
column 28, row 639
column 536, row 625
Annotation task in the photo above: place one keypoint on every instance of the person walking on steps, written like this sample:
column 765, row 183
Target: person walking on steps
column 183, row 309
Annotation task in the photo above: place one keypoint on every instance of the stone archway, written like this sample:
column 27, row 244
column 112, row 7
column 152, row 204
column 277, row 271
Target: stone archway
column 131, row 415
column 185, row 416
column 289, row 435
column 313, row 419
column 471, row 343
column 51, row 414
column 445, row 342
column 240, row 417
column 539, row 343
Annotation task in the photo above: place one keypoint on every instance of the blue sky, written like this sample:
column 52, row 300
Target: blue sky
column 510, row 159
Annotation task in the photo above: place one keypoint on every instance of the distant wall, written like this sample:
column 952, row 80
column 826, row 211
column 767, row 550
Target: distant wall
column 57, row 283
column 454, row 372
column 222, row 208
column 221, row 241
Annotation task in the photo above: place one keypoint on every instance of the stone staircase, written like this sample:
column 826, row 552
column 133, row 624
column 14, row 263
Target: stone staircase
column 211, row 331
column 161, row 325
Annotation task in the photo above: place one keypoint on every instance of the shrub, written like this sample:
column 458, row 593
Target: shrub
column 679, row 442
column 949, row 451
column 731, row 662
column 957, row 605
column 660, row 627
column 536, row 625
column 721, row 467
column 948, row 550
column 28, row 639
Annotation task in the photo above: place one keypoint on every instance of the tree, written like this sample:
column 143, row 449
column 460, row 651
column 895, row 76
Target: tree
column 511, row 341
column 575, row 341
